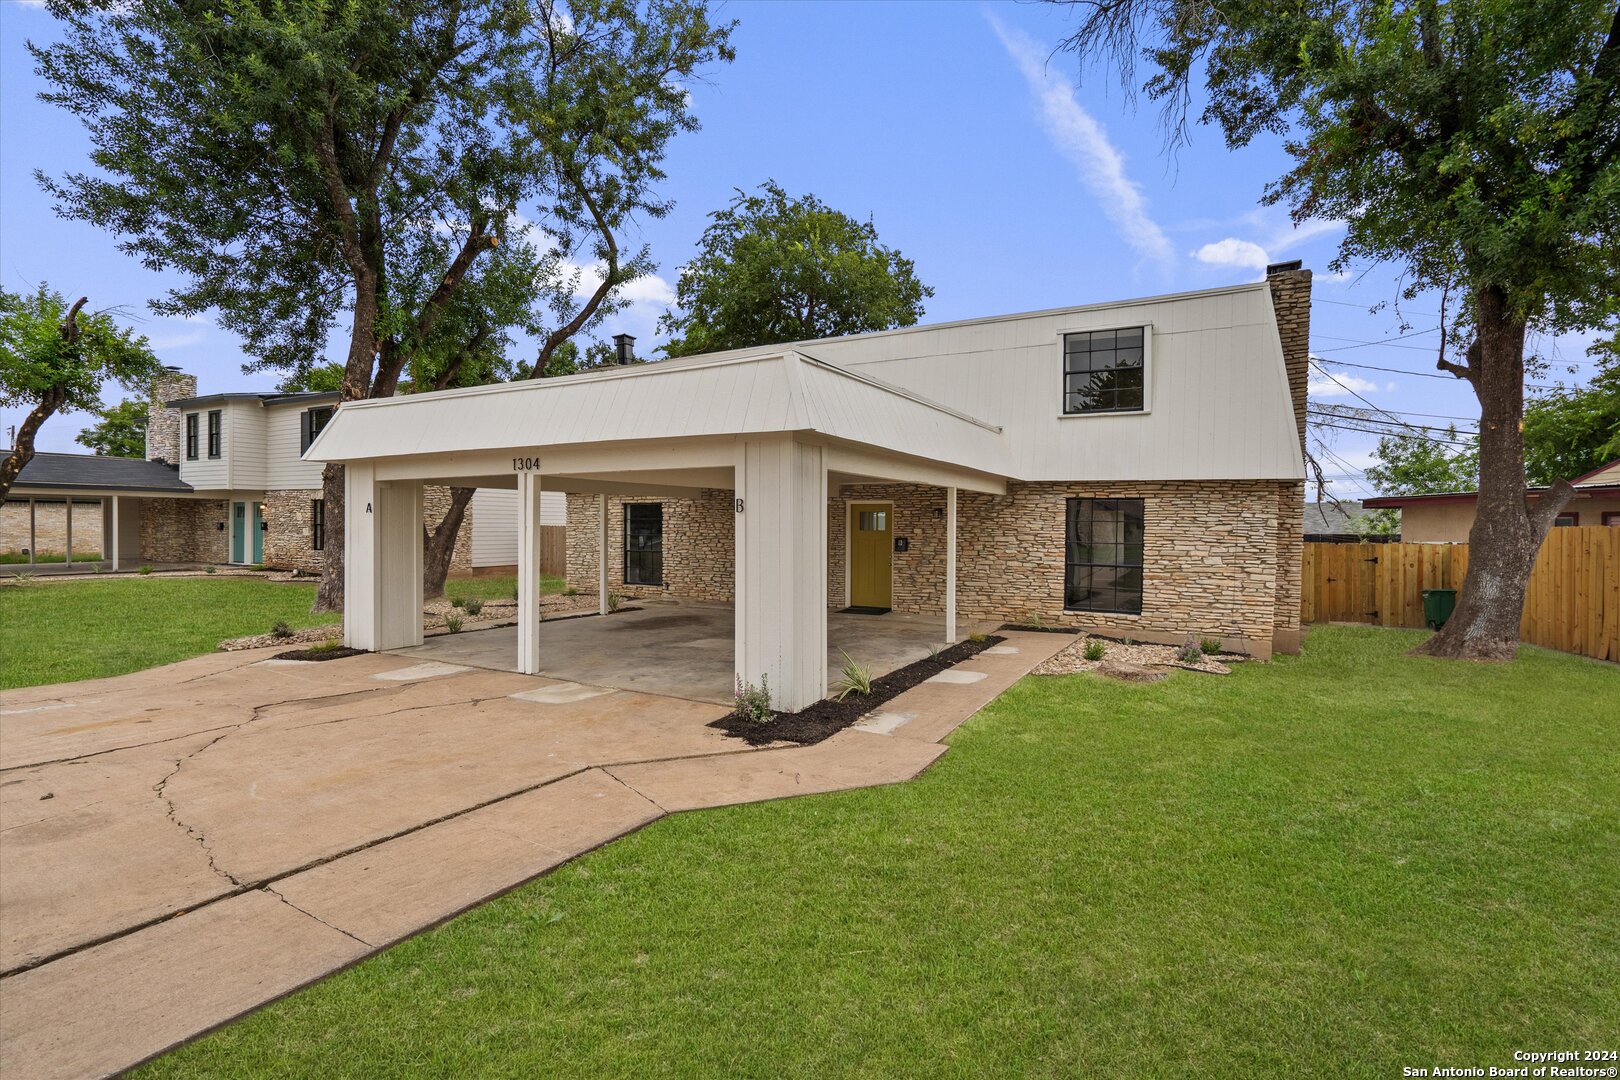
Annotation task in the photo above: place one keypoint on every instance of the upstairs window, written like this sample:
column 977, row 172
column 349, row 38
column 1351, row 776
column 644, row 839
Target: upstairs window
column 216, row 424
column 1103, row 556
column 1104, row 371
column 191, row 436
column 643, row 543
column 311, row 423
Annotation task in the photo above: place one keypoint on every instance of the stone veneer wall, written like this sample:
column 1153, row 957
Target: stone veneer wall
column 288, row 513
column 699, row 546
column 1291, row 299
column 163, row 434
column 50, row 526
column 185, row 530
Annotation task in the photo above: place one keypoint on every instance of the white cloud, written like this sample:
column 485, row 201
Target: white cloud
column 1275, row 240
column 1080, row 138
column 1233, row 252
column 648, row 289
column 1324, row 386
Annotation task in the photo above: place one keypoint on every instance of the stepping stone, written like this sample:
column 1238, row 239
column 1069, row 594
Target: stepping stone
column 885, row 723
column 960, row 678
column 430, row 670
column 1002, row 650
column 562, row 694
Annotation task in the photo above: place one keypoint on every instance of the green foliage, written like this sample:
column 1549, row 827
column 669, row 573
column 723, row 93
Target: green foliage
column 977, row 636
column 121, row 431
column 1569, row 432
column 772, row 268
column 457, row 601
column 853, row 678
column 1371, row 523
column 613, row 602
column 38, row 363
column 1190, row 652
column 472, row 605
column 143, row 571
column 281, row 630
column 313, row 379
column 1417, row 465
column 753, row 703
column 1094, row 650
column 1210, row 646
column 325, row 645
column 452, row 623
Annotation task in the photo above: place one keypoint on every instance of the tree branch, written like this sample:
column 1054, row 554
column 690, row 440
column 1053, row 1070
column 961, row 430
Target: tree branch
column 609, row 281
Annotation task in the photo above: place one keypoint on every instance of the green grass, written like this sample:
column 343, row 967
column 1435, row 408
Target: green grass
column 15, row 558
column 1335, row 865
column 89, row 629
column 497, row 586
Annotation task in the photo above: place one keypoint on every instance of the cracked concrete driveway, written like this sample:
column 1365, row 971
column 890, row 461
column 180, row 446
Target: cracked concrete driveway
column 128, row 800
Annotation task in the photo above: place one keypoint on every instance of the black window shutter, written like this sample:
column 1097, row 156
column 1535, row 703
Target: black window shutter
column 303, row 431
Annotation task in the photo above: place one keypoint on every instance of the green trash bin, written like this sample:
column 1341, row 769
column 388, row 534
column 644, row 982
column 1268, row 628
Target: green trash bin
column 1438, row 604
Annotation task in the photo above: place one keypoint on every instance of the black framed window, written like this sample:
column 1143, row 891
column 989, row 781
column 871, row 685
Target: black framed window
column 317, row 524
column 643, row 543
column 1103, row 556
column 311, row 423
column 216, row 424
column 1103, row 370
column 191, row 436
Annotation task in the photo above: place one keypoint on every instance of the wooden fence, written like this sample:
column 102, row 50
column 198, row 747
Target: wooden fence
column 1573, row 603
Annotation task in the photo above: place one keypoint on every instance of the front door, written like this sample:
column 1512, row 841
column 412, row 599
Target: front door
column 871, row 554
column 256, row 530
column 238, row 530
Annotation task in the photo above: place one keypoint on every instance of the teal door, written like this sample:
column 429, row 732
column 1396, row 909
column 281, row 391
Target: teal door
column 257, row 532
column 238, row 530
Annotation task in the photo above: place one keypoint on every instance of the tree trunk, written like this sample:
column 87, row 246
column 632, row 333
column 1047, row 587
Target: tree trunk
column 23, row 452
column 357, row 372
column 439, row 544
column 1508, row 527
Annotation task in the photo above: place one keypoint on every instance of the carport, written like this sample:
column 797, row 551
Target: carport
column 778, row 429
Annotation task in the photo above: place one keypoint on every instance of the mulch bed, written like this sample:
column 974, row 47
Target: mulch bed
column 1043, row 629
column 318, row 654
column 828, row 717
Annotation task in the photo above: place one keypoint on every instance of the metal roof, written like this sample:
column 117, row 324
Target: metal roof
column 262, row 399
column 92, row 472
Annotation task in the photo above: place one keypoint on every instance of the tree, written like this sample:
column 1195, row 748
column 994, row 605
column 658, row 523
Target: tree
column 772, row 268
column 1568, row 432
column 1419, row 465
column 54, row 358
column 1476, row 143
column 121, row 431
column 293, row 162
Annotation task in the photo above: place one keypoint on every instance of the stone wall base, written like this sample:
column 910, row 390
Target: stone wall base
column 291, row 519
column 50, row 526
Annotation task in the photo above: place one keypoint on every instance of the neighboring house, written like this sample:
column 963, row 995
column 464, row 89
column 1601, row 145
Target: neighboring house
column 1447, row 518
column 224, row 482
column 1134, row 468
column 1335, row 523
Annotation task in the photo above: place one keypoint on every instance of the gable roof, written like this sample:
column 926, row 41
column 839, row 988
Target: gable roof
column 94, row 472
column 1602, row 480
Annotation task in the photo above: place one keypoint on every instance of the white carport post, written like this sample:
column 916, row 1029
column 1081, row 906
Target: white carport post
column 950, row 566
column 528, row 658
column 109, row 526
column 33, row 531
column 382, row 557
column 781, row 492
column 69, row 556
column 601, row 554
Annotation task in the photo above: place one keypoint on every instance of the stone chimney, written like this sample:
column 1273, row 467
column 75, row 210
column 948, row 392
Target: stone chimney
column 163, row 433
column 1291, row 299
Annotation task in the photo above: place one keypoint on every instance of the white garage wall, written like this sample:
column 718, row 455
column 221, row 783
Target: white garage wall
column 494, row 523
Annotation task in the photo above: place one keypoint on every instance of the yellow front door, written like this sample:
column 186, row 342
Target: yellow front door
column 871, row 552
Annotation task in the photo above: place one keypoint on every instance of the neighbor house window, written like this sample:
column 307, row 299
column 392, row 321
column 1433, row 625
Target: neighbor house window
column 1103, row 371
column 312, row 422
column 215, row 426
column 1611, row 517
column 1570, row 518
column 191, row 436
column 643, row 544
column 317, row 524
column 1103, row 560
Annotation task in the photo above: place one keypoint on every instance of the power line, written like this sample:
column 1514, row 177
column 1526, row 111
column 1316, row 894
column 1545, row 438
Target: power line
column 1395, row 427
column 1360, row 343
column 1385, row 432
column 1409, row 412
column 1419, row 374
column 1367, row 308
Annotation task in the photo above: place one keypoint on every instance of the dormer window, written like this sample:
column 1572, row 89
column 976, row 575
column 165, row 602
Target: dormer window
column 1104, row 371
column 216, row 433
column 311, row 424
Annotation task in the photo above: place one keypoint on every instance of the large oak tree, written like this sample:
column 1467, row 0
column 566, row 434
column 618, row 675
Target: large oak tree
column 1473, row 143
column 299, row 160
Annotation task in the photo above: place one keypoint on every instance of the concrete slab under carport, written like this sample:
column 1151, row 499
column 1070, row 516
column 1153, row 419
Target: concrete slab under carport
column 680, row 648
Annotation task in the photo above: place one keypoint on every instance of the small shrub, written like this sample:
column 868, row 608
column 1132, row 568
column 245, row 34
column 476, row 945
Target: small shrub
column 457, row 602
column 211, row 570
column 1094, row 650
column 1210, row 646
column 326, row 645
column 754, row 702
column 933, row 653
column 1190, row 653
column 452, row 623
column 853, row 678
column 147, row 569
column 977, row 637
column 281, row 631
column 614, row 600
column 516, row 593
column 473, row 605
column 570, row 591
column 26, row 577
column 1035, row 620
column 1127, row 641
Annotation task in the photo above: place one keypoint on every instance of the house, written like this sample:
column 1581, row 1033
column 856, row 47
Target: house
column 224, row 481
column 1448, row 517
column 1134, row 468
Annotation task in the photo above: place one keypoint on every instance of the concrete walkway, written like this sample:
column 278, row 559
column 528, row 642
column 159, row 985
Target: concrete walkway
column 186, row 844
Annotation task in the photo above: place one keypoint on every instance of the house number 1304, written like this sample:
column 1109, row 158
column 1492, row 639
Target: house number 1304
column 525, row 464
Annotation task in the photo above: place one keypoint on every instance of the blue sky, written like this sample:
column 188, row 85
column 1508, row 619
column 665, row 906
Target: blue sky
column 1012, row 183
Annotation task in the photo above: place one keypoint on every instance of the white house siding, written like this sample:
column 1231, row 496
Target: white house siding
column 494, row 523
column 282, row 443
column 244, row 448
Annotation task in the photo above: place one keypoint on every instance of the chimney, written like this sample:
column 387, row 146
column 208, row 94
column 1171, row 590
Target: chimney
column 163, row 423
column 1291, row 300
column 624, row 349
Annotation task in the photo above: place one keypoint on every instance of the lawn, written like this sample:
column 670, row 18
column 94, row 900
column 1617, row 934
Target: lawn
column 497, row 586
column 17, row 558
column 59, row 632
column 1335, row 865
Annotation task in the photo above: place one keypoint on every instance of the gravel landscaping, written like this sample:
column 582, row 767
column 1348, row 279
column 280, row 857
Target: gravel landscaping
column 1072, row 659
